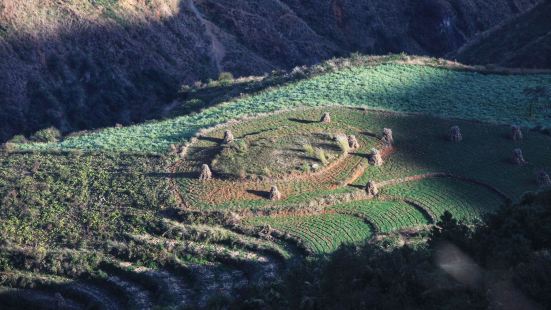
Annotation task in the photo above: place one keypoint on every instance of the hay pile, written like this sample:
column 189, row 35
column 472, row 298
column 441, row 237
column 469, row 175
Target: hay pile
column 326, row 118
column 206, row 173
column 228, row 137
column 518, row 158
column 388, row 139
column 455, row 134
column 543, row 179
column 516, row 133
column 275, row 194
column 375, row 158
column 371, row 189
column 353, row 142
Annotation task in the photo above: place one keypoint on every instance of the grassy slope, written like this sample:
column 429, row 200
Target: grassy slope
column 524, row 41
column 397, row 87
column 72, row 199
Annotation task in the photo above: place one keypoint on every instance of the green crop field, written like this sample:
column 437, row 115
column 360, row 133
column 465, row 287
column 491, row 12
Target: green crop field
column 386, row 216
column 395, row 87
column 319, row 233
column 465, row 201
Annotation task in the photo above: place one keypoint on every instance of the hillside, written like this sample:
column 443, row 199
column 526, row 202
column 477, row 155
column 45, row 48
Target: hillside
column 218, row 208
column 524, row 41
column 396, row 83
column 84, row 64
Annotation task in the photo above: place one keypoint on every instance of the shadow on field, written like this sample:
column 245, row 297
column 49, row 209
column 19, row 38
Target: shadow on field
column 302, row 121
column 168, row 175
column 357, row 186
column 422, row 146
column 261, row 194
column 210, row 139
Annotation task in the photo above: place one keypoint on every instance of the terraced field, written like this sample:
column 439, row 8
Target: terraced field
column 466, row 201
column 322, row 233
column 305, row 178
column 386, row 216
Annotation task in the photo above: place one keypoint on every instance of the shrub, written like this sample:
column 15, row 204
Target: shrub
column 225, row 79
column 343, row 144
column 8, row 147
column 18, row 139
column 50, row 134
column 320, row 155
column 309, row 150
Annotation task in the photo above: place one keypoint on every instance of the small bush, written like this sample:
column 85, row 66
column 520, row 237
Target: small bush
column 51, row 134
column 8, row 147
column 18, row 139
column 343, row 144
column 225, row 76
column 225, row 79
column 309, row 150
column 320, row 155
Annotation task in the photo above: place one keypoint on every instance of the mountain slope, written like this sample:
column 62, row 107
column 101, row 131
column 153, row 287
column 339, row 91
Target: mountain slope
column 396, row 83
column 524, row 41
column 84, row 64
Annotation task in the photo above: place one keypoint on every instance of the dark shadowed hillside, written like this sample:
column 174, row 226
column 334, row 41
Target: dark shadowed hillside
column 524, row 41
column 90, row 63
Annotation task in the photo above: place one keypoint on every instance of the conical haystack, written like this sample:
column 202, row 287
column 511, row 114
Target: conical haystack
column 326, row 118
column 516, row 133
column 371, row 189
column 388, row 138
column 375, row 158
column 455, row 134
column 228, row 137
column 275, row 194
column 353, row 142
column 206, row 174
column 518, row 158
column 543, row 179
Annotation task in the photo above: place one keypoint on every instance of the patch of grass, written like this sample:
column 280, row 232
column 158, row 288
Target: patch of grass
column 276, row 142
column 309, row 150
column 320, row 155
column 70, row 199
column 342, row 141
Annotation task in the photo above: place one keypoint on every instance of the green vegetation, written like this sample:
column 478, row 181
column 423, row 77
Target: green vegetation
column 264, row 155
column 465, row 201
column 319, row 233
column 45, row 135
column 386, row 216
column 71, row 199
column 423, row 176
column 484, row 154
column 396, row 87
